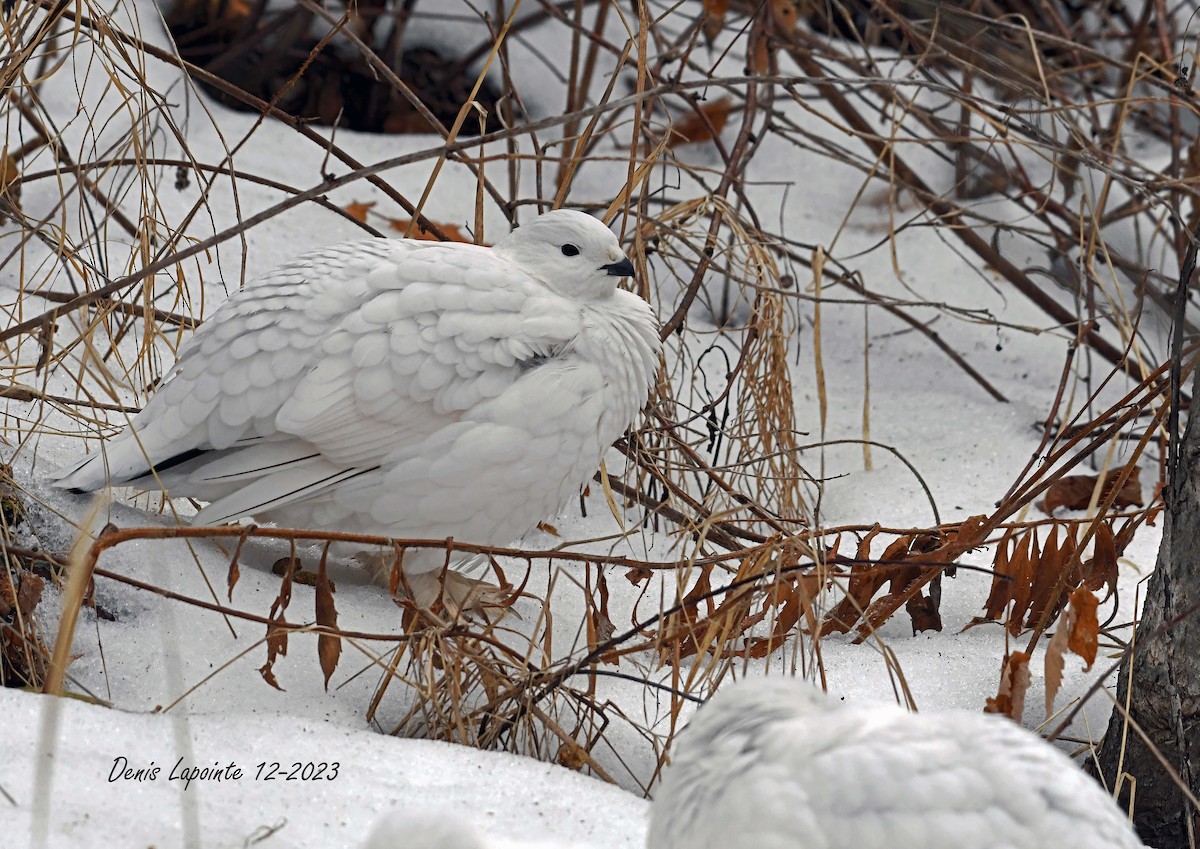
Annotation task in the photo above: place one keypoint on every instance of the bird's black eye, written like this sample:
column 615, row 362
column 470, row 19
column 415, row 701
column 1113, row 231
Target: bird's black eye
column 570, row 250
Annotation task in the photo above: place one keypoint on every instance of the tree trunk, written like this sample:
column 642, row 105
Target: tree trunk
column 1163, row 673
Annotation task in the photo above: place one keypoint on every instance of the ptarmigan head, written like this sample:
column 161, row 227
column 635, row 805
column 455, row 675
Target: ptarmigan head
column 570, row 252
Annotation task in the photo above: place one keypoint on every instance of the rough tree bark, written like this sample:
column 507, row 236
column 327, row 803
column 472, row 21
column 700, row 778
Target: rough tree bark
column 1163, row 674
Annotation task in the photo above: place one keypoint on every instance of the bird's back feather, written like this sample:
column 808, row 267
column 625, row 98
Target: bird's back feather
column 775, row 763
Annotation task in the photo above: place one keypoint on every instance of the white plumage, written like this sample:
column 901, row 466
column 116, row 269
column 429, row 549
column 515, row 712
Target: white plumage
column 776, row 764
column 402, row 388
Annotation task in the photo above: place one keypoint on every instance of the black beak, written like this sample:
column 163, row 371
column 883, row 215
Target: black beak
column 624, row 268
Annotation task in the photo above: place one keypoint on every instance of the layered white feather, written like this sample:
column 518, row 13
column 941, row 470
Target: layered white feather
column 402, row 388
column 776, row 764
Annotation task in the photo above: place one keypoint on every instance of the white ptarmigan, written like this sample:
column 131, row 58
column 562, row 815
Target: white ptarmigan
column 402, row 388
column 774, row 763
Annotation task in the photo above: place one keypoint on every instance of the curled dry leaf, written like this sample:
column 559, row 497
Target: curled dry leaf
column 1074, row 492
column 1053, row 663
column 638, row 575
column 29, row 594
column 277, row 637
column 1101, row 568
column 600, row 627
column 10, row 173
column 783, row 15
column 714, row 18
column 277, row 640
column 395, row 573
column 1067, row 166
column 1079, row 632
column 924, row 613
column 1014, row 684
column 358, row 211
column 329, row 647
column 571, row 755
column 865, row 580
column 1084, row 633
column 703, row 125
column 22, row 652
column 758, row 56
column 455, row 234
column 235, row 571
column 1051, row 579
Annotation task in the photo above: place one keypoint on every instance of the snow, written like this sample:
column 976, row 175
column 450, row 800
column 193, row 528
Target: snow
column 183, row 682
column 90, row 776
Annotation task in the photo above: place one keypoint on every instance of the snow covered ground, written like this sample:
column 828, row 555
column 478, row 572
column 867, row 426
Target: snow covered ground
column 183, row 682
column 122, row 779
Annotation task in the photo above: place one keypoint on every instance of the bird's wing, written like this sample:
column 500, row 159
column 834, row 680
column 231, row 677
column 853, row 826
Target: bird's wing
column 430, row 342
column 239, row 367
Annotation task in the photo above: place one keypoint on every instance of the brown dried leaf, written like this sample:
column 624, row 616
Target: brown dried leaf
column 1003, row 579
column 305, row 579
column 897, row 550
column 1050, row 583
column 1067, row 166
column 455, row 234
column 600, row 624
column 1020, row 680
column 639, row 575
column 783, row 15
column 681, row 630
column 358, row 211
column 1014, row 684
column 235, row 573
column 758, row 57
column 702, row 125
column 571, row 755
column 1029, row 556
column 998, row 704
column 10, row 174
column 1084, row 637
column 29, row 594
column 787, row 618
column 277, row 638
column 329, row 647
column 1053, row 663
column 714, row 18
column 269, row 676
column 8, row 600
column 924, row 614
column 1074, row 492
column 865, row 580
column 395, row 574
column 1101, row 568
